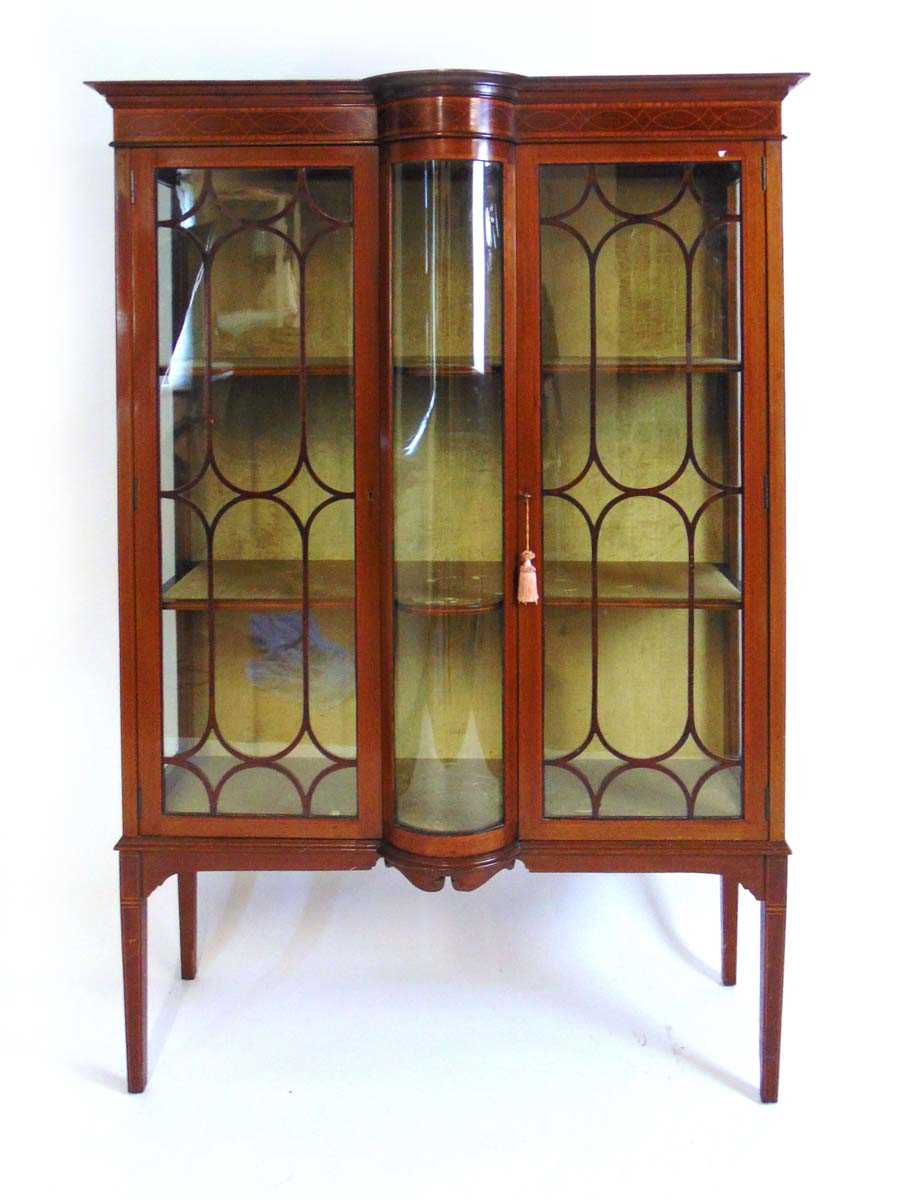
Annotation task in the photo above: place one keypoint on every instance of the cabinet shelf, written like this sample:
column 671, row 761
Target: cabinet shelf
column 445, row 366
column 263, row 584
column 449, row 588
column 446, row 588
column 445, row 796
column 626, row 365
column 638, row 792
column 638, row 584
column 258, row 791
column 250, row 368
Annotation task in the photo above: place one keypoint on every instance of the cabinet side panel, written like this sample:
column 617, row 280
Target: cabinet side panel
column 777, row 469
column 754, row 525
column 124, row 426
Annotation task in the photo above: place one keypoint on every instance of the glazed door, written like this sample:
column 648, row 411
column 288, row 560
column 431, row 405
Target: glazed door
column 256, row 502
column 643, row 432
column 450, row 619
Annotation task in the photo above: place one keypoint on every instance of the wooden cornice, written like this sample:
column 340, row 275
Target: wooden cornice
column 425, row 104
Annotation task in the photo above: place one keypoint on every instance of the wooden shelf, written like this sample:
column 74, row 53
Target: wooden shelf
column 637, row 584
column 263, row 583
column 449, row 588
column 251, row 368
column 641, row 365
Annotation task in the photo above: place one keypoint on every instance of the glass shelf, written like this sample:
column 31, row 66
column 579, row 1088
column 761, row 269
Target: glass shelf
column 446, row 366
column 456, row 794
column 440, row 586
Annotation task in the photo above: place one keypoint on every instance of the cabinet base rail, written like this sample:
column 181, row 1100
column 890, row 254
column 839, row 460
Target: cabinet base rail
column 145, row 863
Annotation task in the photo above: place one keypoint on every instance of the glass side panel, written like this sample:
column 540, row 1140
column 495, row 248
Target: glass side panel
column 642, row 473
column 448, row 468
column 255, row 308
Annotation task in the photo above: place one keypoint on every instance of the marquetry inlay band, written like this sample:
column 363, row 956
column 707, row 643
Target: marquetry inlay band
column 444, row 104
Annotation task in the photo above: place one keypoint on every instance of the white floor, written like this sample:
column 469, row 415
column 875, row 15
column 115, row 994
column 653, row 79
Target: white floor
column 347, row 1030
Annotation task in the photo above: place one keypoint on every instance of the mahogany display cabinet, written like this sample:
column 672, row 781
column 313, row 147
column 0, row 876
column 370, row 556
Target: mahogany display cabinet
column 451, row 486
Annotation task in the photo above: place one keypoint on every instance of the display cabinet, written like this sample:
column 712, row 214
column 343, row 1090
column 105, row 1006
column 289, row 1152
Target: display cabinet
column 451, row 486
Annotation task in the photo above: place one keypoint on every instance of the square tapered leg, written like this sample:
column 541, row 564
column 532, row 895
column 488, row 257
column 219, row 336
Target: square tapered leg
column 187, row 884
column 773, row 941
column 133, row 913
column 729, row 912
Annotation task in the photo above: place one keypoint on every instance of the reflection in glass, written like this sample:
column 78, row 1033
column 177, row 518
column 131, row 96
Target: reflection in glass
column 257, row 491
column 641, row 384
column 448, row 468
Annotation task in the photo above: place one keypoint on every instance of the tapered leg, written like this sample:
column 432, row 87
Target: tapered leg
column 773, row 940
column 188, row 922
column 133, row 911
column 729, row 911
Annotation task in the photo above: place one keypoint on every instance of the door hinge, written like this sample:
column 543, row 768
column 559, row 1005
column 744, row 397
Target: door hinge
column 764, row 172
column 131, row 186
column 766, row 491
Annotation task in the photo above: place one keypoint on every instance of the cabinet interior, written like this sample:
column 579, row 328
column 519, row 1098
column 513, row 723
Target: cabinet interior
column 257, row 374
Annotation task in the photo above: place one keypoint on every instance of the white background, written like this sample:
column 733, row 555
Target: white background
column 546, row 1033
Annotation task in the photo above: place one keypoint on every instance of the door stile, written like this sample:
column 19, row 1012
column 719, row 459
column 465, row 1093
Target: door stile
column 529, row 466
column 512, row 505
column 368, row 498
column 387, row 504
column 752, row 824
column 147, row 567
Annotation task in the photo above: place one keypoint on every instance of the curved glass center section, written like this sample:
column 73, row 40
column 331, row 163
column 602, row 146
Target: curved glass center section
column 447, row 465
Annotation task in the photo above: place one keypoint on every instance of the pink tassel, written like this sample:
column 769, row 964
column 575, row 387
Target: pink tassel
column 528, row 582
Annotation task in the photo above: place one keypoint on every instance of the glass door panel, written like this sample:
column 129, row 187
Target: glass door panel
column 641, row 462
column 448, row 472
column 255, row 318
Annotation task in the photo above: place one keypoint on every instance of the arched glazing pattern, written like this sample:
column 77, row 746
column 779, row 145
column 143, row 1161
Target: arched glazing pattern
column 257, row 491
column 642, row 555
